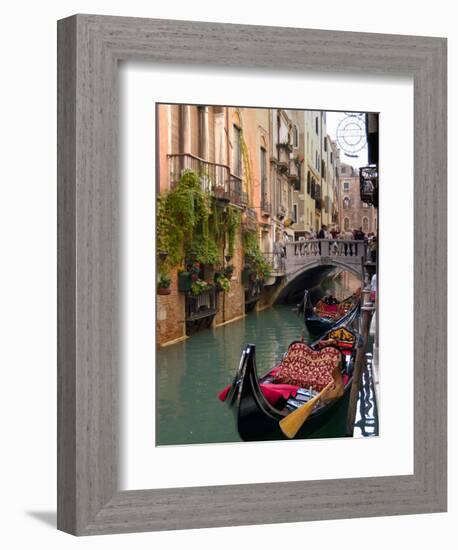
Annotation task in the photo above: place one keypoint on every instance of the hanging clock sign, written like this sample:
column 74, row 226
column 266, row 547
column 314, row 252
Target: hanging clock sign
column 351, row 134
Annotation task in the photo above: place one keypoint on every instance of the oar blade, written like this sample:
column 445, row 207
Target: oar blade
column 292, row 423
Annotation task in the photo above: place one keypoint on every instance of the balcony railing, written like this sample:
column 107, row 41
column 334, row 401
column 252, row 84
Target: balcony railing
column 201, row 306
column 215, row 179
column 283, row 153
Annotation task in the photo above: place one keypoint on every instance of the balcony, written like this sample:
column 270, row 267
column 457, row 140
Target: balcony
column 294, row 174
column 283, row 154
column 200, row 310
column 215, row 179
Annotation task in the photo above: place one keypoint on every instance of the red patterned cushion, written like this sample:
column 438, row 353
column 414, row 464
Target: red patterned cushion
column 307, row 368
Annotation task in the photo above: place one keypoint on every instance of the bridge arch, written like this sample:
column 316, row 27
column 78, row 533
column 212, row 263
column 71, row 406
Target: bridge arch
column 306, row 266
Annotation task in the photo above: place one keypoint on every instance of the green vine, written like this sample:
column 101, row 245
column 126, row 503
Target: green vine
column 253, row 255
column 234, row 219
column 191, row 223
column 246, row 166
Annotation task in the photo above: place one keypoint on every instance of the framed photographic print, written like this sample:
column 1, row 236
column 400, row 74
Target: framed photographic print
column 238, row 303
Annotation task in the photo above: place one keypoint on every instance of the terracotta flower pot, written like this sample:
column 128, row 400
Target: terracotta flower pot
column 164, row 291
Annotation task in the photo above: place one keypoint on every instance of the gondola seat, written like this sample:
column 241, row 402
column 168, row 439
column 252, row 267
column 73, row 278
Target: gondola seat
column 307, row 368
column 340, row 337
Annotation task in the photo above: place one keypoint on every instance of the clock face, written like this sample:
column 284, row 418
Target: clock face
column 351, row 133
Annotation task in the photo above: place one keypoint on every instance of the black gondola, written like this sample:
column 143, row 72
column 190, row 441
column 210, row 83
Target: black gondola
column 323, row 317
column 258, row 420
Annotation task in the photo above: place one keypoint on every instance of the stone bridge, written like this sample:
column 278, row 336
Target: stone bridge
column 304, row 258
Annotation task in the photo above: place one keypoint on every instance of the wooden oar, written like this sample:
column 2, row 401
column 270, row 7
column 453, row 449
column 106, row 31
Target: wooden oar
column 292, row 423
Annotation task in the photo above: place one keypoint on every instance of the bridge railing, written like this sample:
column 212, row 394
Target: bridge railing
column 300, row 252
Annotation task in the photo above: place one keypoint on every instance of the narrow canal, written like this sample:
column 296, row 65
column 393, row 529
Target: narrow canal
column 190, row 374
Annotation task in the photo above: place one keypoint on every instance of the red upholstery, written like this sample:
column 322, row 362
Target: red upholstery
column 307, row 368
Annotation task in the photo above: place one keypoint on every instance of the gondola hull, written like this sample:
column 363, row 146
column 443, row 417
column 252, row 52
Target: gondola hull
column 317, row 324
column 257, row 420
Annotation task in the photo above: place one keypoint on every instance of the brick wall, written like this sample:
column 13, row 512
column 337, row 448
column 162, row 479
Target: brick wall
column 170, row 314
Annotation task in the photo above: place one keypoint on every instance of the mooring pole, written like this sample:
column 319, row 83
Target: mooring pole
column 367, row 310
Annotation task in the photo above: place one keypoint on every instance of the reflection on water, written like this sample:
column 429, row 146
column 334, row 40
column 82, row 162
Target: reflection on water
column 190, row 374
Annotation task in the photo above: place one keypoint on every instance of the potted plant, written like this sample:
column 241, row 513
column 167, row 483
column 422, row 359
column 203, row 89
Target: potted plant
column 199, row 286
column 228, row 271
column 163, row 286
column 222, row 283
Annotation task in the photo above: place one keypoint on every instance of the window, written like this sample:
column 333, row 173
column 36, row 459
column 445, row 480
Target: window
column 309, row 183
column 316, row 125
column 365, row 224
column 346, row 186
column 317, row 161
column 332, row 158
column 263, row 172
column 323, row 169
column 295, row 137
column 295, row 213
column 325, row 144
column 298, row 182
column 346, row 224
column 346, row 203
column 237, row 150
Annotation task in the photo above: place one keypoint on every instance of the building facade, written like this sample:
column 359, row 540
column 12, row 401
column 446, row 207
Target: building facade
column 354, row 213
column 276, row 170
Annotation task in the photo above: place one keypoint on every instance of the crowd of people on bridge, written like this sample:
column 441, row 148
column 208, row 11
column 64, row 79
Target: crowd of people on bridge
column 333, row 242
column 341, row 243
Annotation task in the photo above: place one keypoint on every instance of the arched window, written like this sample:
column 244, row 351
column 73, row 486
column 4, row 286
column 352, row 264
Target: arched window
column 365, row 224
column 346, row 203
column 346, row 224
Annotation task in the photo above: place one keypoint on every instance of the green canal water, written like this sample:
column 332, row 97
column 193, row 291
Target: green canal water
column 190, row 374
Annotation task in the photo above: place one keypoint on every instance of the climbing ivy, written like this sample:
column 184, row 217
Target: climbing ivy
column 253, row 255
column 234, row 218
column 191, row 222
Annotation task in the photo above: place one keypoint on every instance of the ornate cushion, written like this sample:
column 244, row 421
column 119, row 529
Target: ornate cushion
column 307, row 368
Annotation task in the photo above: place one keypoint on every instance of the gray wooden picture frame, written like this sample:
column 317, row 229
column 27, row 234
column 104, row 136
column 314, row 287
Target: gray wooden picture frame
column 89, row 49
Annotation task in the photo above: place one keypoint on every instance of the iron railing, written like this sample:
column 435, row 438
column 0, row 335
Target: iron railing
column 202, row 305
column 215, row 179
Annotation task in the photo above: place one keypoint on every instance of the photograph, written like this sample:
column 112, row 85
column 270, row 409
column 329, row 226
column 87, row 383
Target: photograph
column 266, row 266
